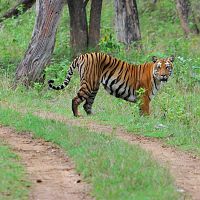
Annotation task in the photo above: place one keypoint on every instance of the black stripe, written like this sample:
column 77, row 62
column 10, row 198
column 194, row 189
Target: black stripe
column 102, row 62
column 129, row 93
column 92, row 58
column 109, row 62
column 81, row 66
column 117, row 91
column 155, row 83
column 111, row 73
column 123, row 63
column 111, row 84
column 127, row 70
column 70, row 71
column 96, row 55
column 80, row 97
column 139, row 72
column 124, row 89
column 125, row 82
column 87, row 87
column 143, row 68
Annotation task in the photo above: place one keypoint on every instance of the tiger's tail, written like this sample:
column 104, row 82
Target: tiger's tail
column 67, row 79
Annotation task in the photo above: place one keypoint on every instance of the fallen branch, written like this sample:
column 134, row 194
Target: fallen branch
column 20, row 8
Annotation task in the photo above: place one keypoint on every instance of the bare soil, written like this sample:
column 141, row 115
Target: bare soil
column 184, row 167
column 48, row 168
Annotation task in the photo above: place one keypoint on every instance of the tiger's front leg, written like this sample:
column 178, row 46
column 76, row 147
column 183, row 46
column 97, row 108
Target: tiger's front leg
column 144, row 106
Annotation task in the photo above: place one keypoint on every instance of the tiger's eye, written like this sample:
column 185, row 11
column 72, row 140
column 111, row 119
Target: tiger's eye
column 159, row 66
column 167, row 66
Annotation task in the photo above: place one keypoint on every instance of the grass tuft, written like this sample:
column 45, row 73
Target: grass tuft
column 13, row 184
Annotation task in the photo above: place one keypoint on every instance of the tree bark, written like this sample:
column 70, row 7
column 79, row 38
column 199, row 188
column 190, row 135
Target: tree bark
column 154, row 1
column 127, row 21
column 195, row 7
column 95, row 22
column 21, row 7
column 78, row 26
column 42, row 42
column 182, row 7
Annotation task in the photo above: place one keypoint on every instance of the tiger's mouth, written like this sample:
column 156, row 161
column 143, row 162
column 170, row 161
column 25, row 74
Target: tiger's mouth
column 163, row 79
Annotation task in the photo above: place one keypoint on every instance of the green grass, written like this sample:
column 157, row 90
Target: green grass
column 180, row 116
column 115, row 169
column 13, row 184
column 13, row 35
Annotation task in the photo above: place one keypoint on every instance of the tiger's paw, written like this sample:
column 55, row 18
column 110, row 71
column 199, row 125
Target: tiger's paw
column 90, row 113
column 78, row 115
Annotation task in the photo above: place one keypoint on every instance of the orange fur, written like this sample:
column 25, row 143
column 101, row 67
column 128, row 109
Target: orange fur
column 118, row 77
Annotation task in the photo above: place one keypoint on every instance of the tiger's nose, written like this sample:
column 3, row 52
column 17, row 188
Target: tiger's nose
column 164, row 76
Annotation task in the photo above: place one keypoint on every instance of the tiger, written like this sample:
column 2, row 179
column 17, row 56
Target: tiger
column 118, row 77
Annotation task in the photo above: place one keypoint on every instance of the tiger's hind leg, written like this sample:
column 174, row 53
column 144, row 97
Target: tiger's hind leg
column 89, row 101
column 82, row 95
column 76, row 101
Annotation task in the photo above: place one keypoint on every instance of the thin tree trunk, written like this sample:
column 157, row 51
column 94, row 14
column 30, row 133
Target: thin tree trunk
column 182, row 7
column 154, row 1
column 78, row 26
column 95, row 21
column 195, row 7
column 42, row 42
column 127, row 21
column 21, row 7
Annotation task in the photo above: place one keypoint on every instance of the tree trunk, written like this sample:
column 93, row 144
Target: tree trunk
column 21, row 7
column 95, row 22
column 187, row 15
column 182, row 7
column 127, row 21
column 42, row 42
column 154, row 1
column 78, row 26
column 195, row 7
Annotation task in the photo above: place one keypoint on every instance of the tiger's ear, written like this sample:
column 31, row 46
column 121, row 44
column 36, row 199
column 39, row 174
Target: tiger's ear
column 154, row 59
column 171, row 58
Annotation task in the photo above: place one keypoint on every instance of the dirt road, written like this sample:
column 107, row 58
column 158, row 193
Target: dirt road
column 184, row 167
column 48, row 164
column 51, row 172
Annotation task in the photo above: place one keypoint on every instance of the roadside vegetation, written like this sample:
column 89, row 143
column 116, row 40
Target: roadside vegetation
column 13, row 184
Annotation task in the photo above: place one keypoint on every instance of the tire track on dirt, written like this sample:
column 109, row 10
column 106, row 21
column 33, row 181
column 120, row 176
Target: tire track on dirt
column 184, row 167
column 51, row 172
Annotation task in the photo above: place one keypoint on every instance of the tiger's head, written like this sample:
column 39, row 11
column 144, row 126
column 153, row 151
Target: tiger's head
column 162, row 68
